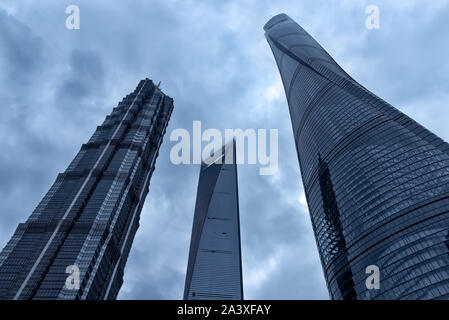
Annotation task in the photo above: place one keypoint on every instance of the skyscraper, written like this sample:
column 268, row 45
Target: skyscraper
column 84, row 226
column 214, row 269
column 376, row 182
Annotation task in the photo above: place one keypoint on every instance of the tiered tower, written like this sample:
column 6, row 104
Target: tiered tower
column 84, row 226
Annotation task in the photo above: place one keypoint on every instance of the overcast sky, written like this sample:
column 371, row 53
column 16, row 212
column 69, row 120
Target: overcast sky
column 57, row 85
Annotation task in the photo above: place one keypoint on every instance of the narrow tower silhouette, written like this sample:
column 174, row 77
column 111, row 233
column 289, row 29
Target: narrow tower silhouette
column 214, row 268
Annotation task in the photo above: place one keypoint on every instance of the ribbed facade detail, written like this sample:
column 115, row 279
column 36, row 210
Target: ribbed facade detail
column 90, row 215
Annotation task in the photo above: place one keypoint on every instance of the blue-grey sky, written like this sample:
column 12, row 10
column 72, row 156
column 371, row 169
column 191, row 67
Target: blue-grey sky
column 57, row 85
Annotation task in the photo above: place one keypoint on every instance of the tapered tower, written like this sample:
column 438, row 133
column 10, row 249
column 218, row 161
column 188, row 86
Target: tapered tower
column 376, row 181
column 214, row 268
column 76, row 242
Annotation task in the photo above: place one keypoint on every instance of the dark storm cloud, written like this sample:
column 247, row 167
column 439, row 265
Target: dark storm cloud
column 85, row 76
column 57, row 85
column 21, row 50
column 21, row 59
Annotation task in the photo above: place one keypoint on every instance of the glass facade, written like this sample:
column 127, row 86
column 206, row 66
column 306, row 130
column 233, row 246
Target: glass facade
column 376, row 182
column 90, row 215
column 214, row 268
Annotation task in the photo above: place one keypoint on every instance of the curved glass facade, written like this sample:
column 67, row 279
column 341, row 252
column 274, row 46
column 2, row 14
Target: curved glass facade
column 376, row 182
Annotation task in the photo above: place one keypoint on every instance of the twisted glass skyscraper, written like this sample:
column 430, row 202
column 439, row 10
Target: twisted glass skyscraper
column 214, row 268
column 76, row 242
column 376, row 182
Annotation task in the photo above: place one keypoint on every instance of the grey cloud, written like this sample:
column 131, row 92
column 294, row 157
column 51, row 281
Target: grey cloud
column 212, row 58
column 85, row 76
column 21, row 50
